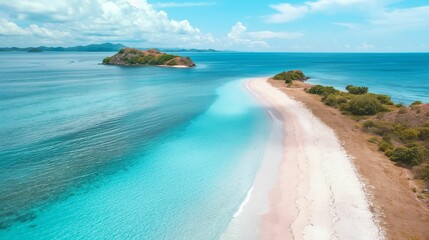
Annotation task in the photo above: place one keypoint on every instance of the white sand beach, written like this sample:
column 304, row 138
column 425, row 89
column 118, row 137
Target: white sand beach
column 317, row 193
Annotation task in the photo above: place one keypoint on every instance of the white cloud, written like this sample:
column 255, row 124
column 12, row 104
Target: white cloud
column 326, row 4
column 8, row 28
column 275, row 35
column 239, row 36
column 288, row 12
column 366, row 46
column 99, row 20
column 46, row 33
column 346, row 25
column 406, row 18
column 236, row 32
column 398, row 20
column 185, row 4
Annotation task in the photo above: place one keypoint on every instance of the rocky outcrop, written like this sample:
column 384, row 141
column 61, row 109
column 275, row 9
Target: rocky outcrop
column 151, row 57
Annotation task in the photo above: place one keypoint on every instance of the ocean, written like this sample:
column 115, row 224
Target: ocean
column 102, row 152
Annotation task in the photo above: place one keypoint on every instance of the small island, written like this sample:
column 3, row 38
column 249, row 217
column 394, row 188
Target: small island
column 34, row 50
column 150, row 57
column 289, row 76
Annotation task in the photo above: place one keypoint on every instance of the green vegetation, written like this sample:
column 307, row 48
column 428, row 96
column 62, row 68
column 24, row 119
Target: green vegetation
column 410, row 155
column 355, row 102
column 356, row 90
column 405, row 144
column 364, row 105
column 384, row 146
column 131, row 56
column 416, row 103
column 322, row 90
column 106, row 60
column 290, row 76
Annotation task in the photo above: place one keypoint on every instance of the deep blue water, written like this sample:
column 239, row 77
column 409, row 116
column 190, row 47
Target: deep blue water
column 147, row 152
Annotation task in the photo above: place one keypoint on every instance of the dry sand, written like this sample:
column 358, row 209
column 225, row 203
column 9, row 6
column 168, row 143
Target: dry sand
column 325, row 170
column 318, row 194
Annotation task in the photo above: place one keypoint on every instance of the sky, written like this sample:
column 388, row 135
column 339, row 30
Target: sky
column 241, row 25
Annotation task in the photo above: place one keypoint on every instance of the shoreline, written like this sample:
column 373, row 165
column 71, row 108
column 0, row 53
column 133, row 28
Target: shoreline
column 389, row 187
column 245, row 222
column 316, row 196
column 146, row 65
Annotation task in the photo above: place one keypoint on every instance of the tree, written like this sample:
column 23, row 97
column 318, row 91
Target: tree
column 364, row 105
column 356, row 90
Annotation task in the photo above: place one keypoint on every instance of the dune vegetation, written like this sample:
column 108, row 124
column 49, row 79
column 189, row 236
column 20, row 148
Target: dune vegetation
column 289, row 76
column 402, row 133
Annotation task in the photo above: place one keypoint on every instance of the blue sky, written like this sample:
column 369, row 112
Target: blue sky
column 265, row 25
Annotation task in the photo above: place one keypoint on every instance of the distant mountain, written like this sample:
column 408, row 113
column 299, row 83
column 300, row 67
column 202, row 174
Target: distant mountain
column 186, row 50
column 104, row 47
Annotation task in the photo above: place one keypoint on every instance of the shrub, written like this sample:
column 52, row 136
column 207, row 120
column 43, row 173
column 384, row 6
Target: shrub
column 384, row 146
column 134, row 60
column 165, row 58
column 342, row 100
column 373, row 140
column 356, row 90
column 122, row 50
column 416, row 103
column 364, row 105
column 423, row 133
column 106, row 60
column 322, row 90
column 384, row 99
column 411, row 155
column 409, row 134
column 330, row 100
column 289, row 76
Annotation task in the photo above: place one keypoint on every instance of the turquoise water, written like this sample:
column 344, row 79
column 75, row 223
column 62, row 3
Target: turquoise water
column 146, row 152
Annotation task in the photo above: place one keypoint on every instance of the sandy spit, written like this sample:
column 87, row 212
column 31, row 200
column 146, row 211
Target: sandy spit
column 318, row 194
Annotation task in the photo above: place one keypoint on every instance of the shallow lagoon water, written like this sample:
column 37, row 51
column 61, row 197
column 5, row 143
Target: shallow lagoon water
column 146, row 152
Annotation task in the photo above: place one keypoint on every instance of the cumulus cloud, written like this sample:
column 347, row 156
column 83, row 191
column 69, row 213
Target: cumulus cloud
column 346, row 24
column 120, row 20
column 406, row 18
column 185, row 4
column 376, row 16
column 275, row 35
column 238, row 36
column 236, row 32
column 287, row 12
column 8, row 28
